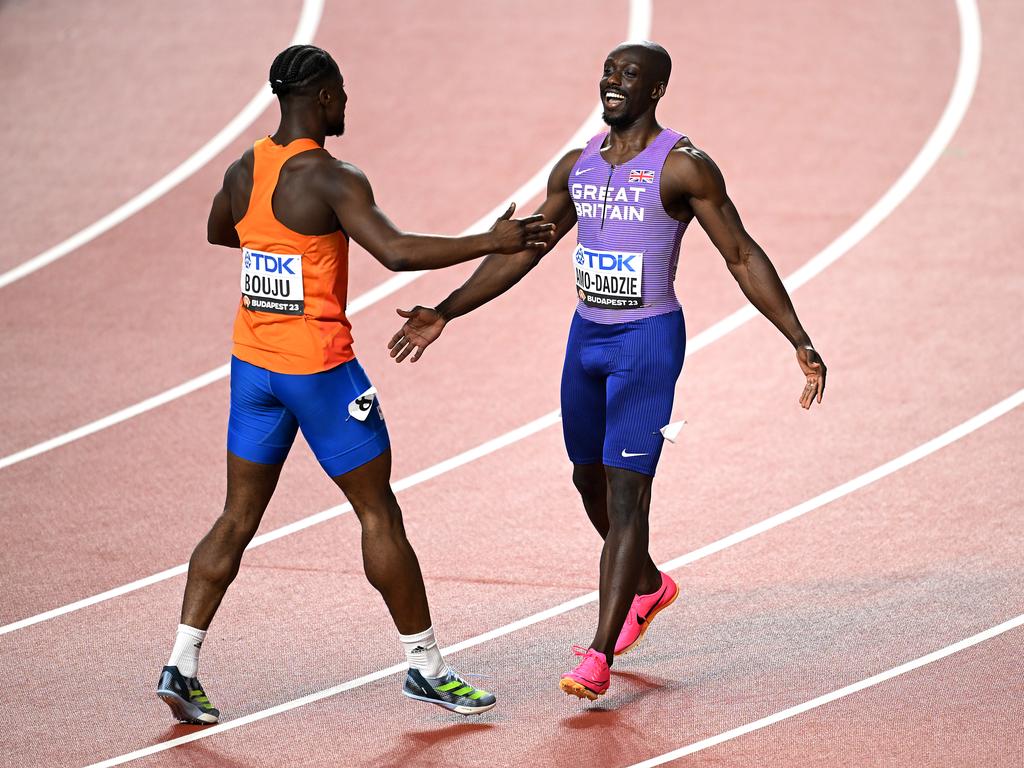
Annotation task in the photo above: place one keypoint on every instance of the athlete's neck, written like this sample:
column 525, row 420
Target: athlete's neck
column 633, row 138
column 299, row 125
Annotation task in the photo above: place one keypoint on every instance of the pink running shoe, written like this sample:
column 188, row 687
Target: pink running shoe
column 591, row 676
column 642, row 613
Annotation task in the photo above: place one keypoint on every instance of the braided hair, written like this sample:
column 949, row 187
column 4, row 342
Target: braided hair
column 299, row 66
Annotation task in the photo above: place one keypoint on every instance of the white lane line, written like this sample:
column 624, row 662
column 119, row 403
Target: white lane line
column 888, row 468
column 309, row 20
column 530, row 189
column 405, row 483
column 959, row 100
column 827, row 698
column 965, row 74
column 124, row 414
column 639, row 27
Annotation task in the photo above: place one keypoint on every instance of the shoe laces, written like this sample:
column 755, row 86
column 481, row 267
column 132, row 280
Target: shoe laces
column 454, row 677
column 593, row 662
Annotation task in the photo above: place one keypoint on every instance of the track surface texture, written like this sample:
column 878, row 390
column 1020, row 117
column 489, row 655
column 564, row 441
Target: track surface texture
column 812, row 109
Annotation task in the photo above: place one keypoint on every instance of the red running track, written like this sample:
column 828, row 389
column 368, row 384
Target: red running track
column 908, row 321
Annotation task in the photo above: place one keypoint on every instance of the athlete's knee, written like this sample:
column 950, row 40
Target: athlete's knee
column 380, row 516
column 589, row 480
column 238, row 522
column 629, row 497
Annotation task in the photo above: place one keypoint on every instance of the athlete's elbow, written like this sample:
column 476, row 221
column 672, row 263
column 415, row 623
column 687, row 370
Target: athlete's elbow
column 396, row 261
column 214, row 238
column 397, row 254
column 738, row 255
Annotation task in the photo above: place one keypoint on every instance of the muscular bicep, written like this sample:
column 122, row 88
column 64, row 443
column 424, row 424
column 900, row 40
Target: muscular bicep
column 704, row 187
column 348, row 192
column 558, row 207
column 220, row 225
column 560, row 211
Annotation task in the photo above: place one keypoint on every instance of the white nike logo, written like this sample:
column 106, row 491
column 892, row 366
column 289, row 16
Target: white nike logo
column 585, row 170
column 631, row 455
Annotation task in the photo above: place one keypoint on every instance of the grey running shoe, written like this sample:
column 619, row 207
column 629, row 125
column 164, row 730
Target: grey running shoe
column 186, row 698
column 450, row 692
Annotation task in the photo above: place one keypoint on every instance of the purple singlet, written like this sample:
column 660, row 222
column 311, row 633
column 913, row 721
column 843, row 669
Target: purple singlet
column 627, row 244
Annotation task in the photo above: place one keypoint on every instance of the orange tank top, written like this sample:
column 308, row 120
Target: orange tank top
column 291, row 316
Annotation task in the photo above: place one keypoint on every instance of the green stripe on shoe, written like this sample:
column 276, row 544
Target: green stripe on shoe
column 448, row 686
column 478, row 694
column 463, row 690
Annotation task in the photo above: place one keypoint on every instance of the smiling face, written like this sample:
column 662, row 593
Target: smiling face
column 634, row 80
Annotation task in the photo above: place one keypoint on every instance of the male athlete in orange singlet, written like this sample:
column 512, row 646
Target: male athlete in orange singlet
column 291, row 208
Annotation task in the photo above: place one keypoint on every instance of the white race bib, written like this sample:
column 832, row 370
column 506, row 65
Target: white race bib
column 609, row 279
column 272, row 282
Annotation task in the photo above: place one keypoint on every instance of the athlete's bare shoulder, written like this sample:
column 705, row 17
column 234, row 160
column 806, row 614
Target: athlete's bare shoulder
column 334, row 178
column 690, row 171
column 239, row 173
column 559, row 178
column 238, row 184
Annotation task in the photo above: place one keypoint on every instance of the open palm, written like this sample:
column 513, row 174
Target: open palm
column 422, row 327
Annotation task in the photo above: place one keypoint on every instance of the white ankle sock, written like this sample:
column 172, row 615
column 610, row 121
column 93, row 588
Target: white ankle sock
column 185, row 655
column 423, row 654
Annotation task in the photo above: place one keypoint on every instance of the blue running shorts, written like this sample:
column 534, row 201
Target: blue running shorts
column 340, row 420
column 618, row 384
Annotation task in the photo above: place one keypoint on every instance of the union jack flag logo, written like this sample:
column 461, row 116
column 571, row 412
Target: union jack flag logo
column 647, row 177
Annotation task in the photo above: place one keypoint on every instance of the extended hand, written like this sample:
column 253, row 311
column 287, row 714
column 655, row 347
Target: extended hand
column 515, row 235
column 423, row 326
column 814, row 369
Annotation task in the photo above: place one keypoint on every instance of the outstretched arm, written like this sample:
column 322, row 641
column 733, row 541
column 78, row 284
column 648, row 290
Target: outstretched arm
column 494, row 276
column 349, row 194
column 697, row 179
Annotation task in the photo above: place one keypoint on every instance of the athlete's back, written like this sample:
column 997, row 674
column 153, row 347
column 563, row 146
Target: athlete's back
column 291, row 316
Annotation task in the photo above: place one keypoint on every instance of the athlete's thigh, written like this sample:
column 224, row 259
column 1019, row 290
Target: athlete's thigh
column 339, row 414
column 641, row 392
column 261, row 428
column 582, row 398
column 368, row 488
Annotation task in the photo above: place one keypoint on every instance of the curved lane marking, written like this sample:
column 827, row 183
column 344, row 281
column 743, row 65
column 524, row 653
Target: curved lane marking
column 527, row 191
column 309, row 20
column 884, row 470
column 970, row 35
column 639, row 26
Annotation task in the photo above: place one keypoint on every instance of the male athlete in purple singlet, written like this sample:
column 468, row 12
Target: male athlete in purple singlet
column 632, row 191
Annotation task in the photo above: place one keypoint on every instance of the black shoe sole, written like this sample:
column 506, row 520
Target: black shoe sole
column 456, row 708
column 185, row 711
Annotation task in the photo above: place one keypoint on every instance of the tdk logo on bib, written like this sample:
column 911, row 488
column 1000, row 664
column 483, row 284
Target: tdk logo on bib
column 609, row 279
column 272, row 282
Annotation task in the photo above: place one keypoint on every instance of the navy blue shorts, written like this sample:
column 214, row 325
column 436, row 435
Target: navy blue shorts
column 340, row 417
column 618, row 384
